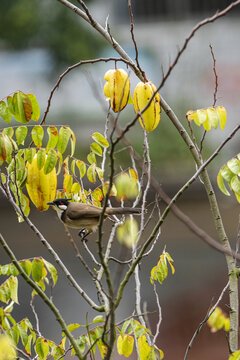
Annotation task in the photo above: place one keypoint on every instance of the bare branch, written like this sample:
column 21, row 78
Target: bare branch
column 202, row 23
column 204, row 321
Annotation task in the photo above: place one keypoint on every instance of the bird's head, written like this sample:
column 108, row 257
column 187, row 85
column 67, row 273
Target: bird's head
column 60, row 204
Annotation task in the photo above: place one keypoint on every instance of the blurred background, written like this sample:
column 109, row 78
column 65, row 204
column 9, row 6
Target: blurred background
column 38, row 41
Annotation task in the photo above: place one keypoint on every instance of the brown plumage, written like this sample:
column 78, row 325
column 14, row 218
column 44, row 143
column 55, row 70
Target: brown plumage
column 83, row 216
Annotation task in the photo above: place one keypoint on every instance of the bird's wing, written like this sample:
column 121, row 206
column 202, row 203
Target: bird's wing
column 82, row 211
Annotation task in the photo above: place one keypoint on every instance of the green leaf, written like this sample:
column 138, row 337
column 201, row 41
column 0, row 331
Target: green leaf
column 13, row 286
column 234, row 165
column 227, row 174
column 97, row 319
column 8, row 131
column 35, row 107
column 96, row 149
column 41, row 156
column 37, row 269
column 221, row 184
column 26, row 266
column 42, row 348
column 125, row 326
column 235, row 184
column 100, row 173
column 72, row 327
column 53, row 137
column 91, row 173
column 21, row 133
column 82, row 167
column 130, row 99
column 5, row 112
column 37, row 135
column 23, row 334
column 30, row 154
column 64, row 136
column 52, row 271
column 73, row 163
column 91, row 158
column 50, row 162
column 100, row 139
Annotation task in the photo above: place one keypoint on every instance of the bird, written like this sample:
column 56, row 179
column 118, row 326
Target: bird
column 84, row 216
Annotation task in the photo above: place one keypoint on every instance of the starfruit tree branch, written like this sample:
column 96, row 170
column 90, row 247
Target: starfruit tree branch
column 6, row 191
column 44, row 297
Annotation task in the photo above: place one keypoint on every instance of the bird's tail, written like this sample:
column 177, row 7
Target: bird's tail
column 120, row 211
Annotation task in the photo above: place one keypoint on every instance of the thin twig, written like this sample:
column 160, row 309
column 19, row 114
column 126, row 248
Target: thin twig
column 204, row 321
column 202, row 23
column 159, row 313
column 215, row 75
column 133, row 39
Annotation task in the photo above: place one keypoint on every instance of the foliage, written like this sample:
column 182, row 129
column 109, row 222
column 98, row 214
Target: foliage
column 35, row 156
column 24, row 24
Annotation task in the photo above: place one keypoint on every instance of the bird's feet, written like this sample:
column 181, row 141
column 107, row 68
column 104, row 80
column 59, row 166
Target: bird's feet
column 83, row 233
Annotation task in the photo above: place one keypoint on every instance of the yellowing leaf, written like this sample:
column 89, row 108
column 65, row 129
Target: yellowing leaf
column 160, row 271
column 20, row 105
column 21, row 133
column 7, row 348
column 53, row 137
column 5, row 112
column 35, row 107
column 222, row 115
column 217, row 320
column 126, row 186
column 37, row 269
column 221, row 184
column 67, row 183
column 96, row 149
column 37, row 135
column 91, row 173
column 64, row 136
column 100, row 139
column 125, row 345
column 42, row 348
column 5, row 147
column 235, row 355
column 213, row 117
column 75, row 188
column 82, row 167
column 127, row 233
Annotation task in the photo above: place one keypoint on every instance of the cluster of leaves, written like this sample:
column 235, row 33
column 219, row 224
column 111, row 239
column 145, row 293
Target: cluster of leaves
column 38, row 269
column 160, row 271
column 218, row 320
column 209, row 117
column 230, row 172
column 132, row 331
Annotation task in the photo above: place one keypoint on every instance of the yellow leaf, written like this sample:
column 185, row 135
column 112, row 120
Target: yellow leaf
column 222, row 114
column 125, row 345
column 143, row 348
column 7, row 349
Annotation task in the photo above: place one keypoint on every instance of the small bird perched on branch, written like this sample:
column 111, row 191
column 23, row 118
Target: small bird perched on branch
column 85, row 217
